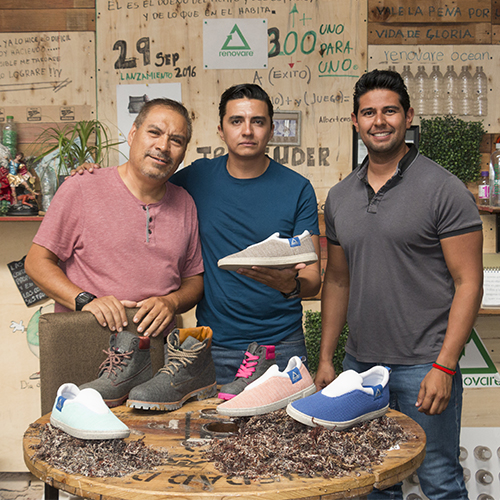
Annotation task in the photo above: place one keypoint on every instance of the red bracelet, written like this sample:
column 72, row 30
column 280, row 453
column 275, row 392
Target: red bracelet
column 444, row 369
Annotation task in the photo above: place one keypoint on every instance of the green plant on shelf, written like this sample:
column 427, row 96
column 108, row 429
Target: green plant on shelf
column 312, row 333
column 73, row 144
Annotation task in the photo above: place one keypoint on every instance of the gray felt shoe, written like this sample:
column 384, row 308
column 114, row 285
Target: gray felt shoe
column 189, row 372
column 128, row 364
column 258, row 359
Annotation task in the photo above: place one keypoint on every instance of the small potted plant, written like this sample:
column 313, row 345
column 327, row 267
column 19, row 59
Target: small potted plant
column 62, row 148
column 73, row 144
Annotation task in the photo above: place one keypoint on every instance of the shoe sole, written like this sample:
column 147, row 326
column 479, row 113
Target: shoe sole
column 337, row 426
column 113, row 403
column 87, row 434
column 273, row 262
column 261, row 410
column 207, row 392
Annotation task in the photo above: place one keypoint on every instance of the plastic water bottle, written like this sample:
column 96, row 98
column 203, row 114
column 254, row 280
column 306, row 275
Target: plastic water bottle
column 483, row 194
column 481, row 91
column 437, row 93
column 9, row 136
column 495, row 177
column 451, row 91
column 409, row 80
column 484, row 476
column 48, row 186
column 466, row 92
column 466, row 474
column 421, row 91
column 482, row 452
column 413, row 479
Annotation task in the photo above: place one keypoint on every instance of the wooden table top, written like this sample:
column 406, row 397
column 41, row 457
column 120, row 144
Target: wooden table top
column 188, row 475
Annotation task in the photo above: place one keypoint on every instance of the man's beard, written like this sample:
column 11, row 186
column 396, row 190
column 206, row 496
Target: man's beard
column 159, row 173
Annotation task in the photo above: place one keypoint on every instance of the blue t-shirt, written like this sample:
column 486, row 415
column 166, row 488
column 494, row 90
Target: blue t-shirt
column 233, row 214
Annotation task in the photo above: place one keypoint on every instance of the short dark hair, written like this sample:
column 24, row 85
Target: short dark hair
column 167, row 103
column 244, row 91
column 376, row 79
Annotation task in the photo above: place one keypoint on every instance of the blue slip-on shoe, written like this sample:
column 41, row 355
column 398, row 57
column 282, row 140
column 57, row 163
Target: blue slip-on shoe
column 83, row 414
column 350, row 399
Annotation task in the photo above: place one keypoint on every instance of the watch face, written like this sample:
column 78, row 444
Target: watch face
column 82, row 299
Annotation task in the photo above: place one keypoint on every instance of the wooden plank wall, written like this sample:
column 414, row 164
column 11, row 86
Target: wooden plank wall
column 462, row 32
column 47, row 64
column 398, row 23
column 318, row 50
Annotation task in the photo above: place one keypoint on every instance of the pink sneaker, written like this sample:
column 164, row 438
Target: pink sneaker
column 271, row 391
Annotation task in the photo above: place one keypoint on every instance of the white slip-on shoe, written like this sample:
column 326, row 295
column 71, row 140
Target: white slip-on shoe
column 83, row 414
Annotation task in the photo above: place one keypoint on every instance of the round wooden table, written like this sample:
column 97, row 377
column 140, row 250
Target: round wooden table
column 188, row 475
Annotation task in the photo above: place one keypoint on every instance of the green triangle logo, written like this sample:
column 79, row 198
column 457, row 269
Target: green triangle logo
column 239, row 38
column 475, row 357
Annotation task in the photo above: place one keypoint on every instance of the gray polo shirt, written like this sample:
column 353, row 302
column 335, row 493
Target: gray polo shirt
column 400, row 287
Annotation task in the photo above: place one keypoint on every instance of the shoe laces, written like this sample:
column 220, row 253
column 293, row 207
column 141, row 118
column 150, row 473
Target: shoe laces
column 178, row 359
column 247, row 368
column 115, row 359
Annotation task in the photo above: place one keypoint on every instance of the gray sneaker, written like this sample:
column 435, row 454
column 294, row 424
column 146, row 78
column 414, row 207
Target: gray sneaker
column 128, row 364
column 273, row 252
column 189, row 372
column 258, row 359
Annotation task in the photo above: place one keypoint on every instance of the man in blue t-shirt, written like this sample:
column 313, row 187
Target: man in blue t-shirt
column 243, row 198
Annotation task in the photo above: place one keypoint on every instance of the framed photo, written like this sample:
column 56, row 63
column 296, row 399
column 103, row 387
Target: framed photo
column 287, row 126
column 359, row 150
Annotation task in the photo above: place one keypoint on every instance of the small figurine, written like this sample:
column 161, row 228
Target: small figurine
column 19, row 176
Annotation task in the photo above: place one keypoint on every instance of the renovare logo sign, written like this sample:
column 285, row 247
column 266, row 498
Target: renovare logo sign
column 235, row 43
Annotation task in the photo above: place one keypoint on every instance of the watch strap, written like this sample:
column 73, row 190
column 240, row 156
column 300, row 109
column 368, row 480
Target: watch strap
column 295, row 292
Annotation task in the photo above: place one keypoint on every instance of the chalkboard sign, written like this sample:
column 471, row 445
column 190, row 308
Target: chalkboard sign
column 30, row 293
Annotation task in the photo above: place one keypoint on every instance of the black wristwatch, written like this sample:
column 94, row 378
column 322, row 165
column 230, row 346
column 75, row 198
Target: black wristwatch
column 293, row 293
column 82, row 299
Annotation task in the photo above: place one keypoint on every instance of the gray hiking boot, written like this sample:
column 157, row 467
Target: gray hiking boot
column 258, row 359
column 189, row 372
column 128, row 364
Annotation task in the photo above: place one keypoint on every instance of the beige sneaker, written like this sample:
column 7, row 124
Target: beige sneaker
column 273, row 252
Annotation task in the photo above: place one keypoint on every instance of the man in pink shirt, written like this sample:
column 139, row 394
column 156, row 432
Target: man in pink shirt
column 131, row 238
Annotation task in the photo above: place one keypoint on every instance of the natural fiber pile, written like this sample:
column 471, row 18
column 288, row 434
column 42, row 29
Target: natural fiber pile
column 95, row 458
column 275, row 444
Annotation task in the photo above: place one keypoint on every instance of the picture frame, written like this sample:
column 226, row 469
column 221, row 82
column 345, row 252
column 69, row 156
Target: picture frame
column 359, row 150
column 287, row 128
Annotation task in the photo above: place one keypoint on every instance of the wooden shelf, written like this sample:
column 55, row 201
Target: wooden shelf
column 489, row 311
column 490, row 210
column 31, row 218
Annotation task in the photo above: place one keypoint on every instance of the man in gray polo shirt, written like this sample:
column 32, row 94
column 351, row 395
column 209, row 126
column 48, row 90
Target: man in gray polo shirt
column 405, row 270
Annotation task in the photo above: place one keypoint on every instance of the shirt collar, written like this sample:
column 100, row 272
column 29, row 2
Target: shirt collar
column 403, row 164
